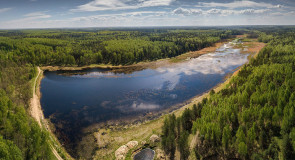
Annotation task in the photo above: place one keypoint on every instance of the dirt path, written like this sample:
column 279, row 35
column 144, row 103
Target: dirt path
column 37, row 113
column 56, row 154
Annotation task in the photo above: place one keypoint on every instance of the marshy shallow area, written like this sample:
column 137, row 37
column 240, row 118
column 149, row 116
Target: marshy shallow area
column 74, row 100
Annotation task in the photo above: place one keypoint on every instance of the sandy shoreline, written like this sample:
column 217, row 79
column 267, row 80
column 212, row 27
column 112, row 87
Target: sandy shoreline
column 35, row 106
column 36, row 110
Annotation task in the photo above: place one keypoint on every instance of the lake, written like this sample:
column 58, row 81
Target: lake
column 77, row 99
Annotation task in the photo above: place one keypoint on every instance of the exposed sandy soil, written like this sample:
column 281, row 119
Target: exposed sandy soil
column 35, row 107
column 208, row 49
column 36, row 110
column 255, row 47
column 241, row 36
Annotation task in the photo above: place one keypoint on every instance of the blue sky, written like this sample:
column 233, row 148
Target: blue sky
column 124, row 13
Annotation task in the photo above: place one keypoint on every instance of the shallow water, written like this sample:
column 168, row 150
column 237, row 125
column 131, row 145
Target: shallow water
column 145, row 154
column 82, row 98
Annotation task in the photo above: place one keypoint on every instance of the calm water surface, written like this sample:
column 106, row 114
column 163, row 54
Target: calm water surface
column 96, row 95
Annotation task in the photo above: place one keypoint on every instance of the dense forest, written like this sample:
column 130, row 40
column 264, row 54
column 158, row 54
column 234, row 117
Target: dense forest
column 253, row 117
column 20, row 135
column 72, row 48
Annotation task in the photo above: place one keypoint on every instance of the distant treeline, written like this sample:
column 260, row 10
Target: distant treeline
column 252, row 118
column 69, row 47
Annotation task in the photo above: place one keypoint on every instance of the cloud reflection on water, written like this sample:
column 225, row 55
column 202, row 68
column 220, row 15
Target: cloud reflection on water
column 211, row 63
column 144, row 106
column 218, row 62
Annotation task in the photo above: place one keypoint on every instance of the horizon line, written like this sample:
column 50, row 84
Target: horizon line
column 115, row 27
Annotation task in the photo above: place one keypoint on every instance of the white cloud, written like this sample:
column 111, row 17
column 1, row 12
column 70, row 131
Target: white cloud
column 37, row 15
column 290, row 13
column 278, row 6
column 101, row 5
column 4, row 10
column 120, row 15
column 238, row 4
column 153, row 3
column 28, row 19
column 214, row 11
column 253, row 11
column 183, row 11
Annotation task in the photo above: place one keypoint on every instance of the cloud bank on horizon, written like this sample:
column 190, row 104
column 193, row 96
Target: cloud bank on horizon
column 127, row 13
